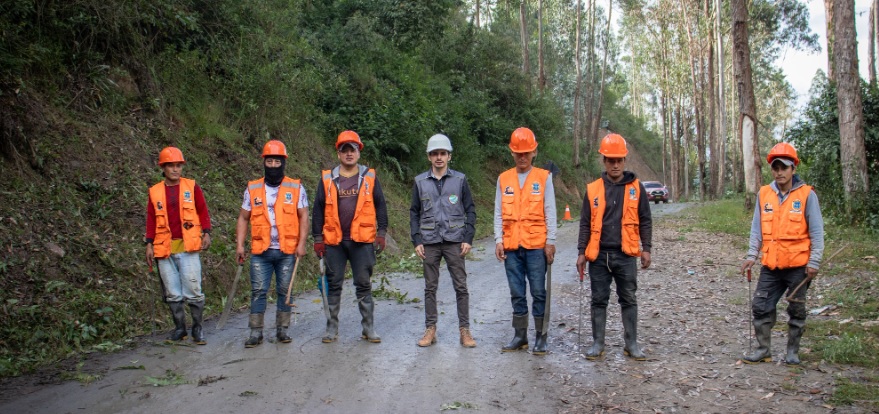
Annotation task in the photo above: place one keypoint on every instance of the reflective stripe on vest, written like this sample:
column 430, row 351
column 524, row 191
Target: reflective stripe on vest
column 286, row 216
column 190, row 224
column 631, row 230
column 522, row 212
column 364, row 224
column 786, row 242
column 442, row 215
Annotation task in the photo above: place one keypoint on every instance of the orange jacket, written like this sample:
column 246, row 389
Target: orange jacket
column 363, row 227
column 522, row 209
column 188, row 216
column 786, row 242
column 631, row 237
column 286, row 216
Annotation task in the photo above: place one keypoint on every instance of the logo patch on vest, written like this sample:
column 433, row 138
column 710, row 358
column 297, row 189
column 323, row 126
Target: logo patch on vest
column 535, row 188
column 288, row 198
column 798, row 206
column 453, row 199
column 187, row 197
column 508, row 191
column 257, row 201
column 632, row 195
column 159, row 206
column 767, row 208
column 595, row 202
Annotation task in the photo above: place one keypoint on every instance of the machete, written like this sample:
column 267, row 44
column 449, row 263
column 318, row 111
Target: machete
column 548, row 299
column 322, row 286
column 230, row 297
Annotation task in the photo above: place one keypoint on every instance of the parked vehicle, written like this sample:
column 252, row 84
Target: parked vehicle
column 656, row 191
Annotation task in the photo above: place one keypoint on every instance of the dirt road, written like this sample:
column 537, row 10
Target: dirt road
column 693, row 327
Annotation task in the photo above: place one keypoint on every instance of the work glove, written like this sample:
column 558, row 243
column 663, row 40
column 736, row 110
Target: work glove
column 379, row 244
column 320, row 249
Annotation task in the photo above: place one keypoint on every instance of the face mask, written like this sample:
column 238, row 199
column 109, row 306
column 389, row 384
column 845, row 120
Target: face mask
column 274, row 175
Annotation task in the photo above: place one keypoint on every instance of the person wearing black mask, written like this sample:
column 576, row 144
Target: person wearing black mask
column 276, row 207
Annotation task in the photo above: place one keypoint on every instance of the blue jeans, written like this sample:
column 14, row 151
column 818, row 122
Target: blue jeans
column 261, row 268
column 181, row 277
column 521, row 265
column 618, row 267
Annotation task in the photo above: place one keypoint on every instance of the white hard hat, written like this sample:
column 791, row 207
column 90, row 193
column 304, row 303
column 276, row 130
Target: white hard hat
column 438, row 142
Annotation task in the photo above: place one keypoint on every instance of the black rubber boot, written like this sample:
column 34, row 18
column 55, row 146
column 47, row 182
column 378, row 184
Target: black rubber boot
column 540, row 337
column 796, row 327
column 520, row 336
column 630, row 334
column 367, row 312
column 255, row 325
column 178, row 313
column 197, row 309
column 599, row 320
column 282, row 321
column 763, row 332
column 332, row 320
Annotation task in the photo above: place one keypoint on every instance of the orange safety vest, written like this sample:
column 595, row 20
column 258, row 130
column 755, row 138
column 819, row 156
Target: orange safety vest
column 363, row 227
column 286, row 216
column 786, row 242
column 631, row 237
column 188, row 218
column 522, row 209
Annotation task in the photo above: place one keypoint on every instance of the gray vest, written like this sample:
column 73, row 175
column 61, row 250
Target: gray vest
column 442, row 215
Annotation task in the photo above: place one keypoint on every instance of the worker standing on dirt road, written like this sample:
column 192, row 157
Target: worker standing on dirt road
column 788, row 228
column 616, row 228
column 442, row 222
column 524, row 233
column 349, row 223
column 178, row 227
column 276, row 207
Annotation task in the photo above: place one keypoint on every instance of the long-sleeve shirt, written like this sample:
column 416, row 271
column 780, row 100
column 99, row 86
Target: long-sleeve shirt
column 612, row 222
column 549, row 212
column 813, row 218
column 466, row 201
column 172, row 197
column 320, row 202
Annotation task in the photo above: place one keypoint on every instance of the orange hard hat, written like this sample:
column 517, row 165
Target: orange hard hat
column 274, row 148
column 783, row 150
column 170, row 154
column 349, row 137
column 523, row 140
column 613, row 146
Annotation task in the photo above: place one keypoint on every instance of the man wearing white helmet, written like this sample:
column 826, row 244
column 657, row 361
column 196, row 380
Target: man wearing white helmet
column 442, row 220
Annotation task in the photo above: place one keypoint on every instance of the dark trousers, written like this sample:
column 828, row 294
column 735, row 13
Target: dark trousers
column 362, row 259
column 771, row 286
column 617, row 267
column 450, row 251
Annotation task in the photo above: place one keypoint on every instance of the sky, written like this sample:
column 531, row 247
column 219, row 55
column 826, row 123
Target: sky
column 800, row 67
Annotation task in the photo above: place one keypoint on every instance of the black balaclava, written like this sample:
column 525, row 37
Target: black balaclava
column 275, row 175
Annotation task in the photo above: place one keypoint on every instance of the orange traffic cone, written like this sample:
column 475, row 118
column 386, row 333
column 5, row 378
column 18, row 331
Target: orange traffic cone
column 567, row 213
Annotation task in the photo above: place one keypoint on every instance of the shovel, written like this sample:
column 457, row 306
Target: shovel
column 323, row 285
column 230, row 297
column 289, row 302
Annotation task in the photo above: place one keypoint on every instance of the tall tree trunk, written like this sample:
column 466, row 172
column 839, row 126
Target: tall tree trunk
column 711, row 85
column 747, row 102
column 597, row 120
column 697, row 77
column 477, row 12
column 874, row 26
column 848, row 94
column 686, row 155
column 721, row 101
column 828, row 12
column 678, row 169
column 577, row 90
column 589, row 99
column 523, row 33
column 541, row 73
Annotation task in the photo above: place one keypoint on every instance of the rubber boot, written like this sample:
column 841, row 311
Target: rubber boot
column 520, row 335
column 178, row 313
column 630, row 335
column 795, row 331
column 282, row 321
column 255, row 325
column 763, row 332
column 540, row 336
column 332, row 319
column 197, row 310
column 367, row 312
column 599, row 320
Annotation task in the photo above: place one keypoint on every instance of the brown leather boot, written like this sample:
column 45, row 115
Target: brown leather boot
column 467, row 340
column 429, row 337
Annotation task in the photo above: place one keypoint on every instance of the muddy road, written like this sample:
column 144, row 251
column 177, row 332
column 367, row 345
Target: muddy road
column 693, row 327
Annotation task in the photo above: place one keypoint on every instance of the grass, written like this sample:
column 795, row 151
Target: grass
column 170, row 378
column 863, row 391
